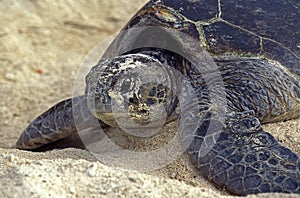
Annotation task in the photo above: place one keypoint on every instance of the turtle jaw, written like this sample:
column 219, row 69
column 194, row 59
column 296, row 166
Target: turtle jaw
column 117, row 119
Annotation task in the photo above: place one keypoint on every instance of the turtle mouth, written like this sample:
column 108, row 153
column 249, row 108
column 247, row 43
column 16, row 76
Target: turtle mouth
column 136, row 119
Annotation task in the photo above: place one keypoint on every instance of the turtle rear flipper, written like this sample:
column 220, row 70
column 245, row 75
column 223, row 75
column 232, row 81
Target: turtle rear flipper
column 245, row 159
column 58, row 122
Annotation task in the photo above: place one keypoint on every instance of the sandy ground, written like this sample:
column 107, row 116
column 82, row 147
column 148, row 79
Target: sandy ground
column 43, row 44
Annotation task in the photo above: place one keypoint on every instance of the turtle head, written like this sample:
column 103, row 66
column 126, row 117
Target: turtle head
column 133, row 90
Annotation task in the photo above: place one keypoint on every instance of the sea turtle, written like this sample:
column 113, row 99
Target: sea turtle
column 255, row 48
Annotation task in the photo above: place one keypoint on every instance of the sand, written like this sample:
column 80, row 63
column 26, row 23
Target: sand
column 43, row 44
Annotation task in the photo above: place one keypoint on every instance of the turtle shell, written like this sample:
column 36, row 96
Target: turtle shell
column 268, row 29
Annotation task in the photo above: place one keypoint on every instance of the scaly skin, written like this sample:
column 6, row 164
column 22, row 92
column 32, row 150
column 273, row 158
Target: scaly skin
column 58, row 122
column 245, row 159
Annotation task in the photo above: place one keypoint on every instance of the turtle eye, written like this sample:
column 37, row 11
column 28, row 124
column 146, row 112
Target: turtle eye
column 151, row 101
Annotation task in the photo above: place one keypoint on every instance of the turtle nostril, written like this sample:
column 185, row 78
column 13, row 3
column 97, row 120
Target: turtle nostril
column 133, row 100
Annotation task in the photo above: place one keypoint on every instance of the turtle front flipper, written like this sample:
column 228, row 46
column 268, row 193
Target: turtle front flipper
column 244, row 159
column 56, row 123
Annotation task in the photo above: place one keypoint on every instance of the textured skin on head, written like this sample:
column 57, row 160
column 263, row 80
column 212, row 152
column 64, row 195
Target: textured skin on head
column 139, row 84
